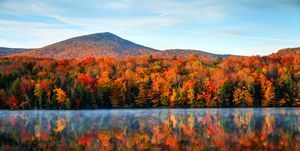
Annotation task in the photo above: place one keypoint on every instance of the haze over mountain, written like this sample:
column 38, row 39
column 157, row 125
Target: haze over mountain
column 106, row 44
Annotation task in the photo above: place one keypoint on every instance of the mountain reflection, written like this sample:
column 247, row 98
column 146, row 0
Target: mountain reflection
column 155, row 129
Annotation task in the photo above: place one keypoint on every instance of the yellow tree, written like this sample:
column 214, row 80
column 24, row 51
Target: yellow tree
column 38, row 92
column 269, row 95
column 173, row 98
column 61, row 97
column 242, row 98
column 267, row 89
column 105, row 84
column 176, row 99
column 118, row 93
column 188, row 87
column 191, row 97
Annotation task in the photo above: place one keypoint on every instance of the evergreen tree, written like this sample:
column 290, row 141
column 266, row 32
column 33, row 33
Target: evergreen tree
column 226, row 94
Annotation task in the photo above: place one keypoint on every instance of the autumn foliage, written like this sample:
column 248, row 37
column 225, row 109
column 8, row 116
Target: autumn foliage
column 150, row 81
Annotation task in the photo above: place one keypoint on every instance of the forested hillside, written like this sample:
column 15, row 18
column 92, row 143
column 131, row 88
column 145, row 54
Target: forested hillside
column 99, row 45
column 93, row 45
column 147, row 81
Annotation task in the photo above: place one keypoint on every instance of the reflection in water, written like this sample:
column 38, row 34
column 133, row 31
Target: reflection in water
column 155, row 129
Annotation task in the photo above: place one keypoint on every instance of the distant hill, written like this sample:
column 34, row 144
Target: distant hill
column 8, row 51
column 288, row 51
column 103, row 45
column 96, row 45
column 188, row 52
column 108, row 44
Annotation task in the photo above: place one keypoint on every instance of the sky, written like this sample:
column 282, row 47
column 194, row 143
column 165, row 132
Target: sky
column 240, row 27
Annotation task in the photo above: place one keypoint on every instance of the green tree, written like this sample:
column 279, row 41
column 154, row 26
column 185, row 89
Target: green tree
column 15, row 87
column 226, row 94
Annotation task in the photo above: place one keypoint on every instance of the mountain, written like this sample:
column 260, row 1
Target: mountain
column 108, row 44
column 96, row 45
column 288, row 51
column 103, row 45
column 7, row 51
column 188, row 52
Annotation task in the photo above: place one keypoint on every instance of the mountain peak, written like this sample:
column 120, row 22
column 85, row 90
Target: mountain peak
column 104, row 33
column 96, row 45
column 103, row 44
column 104, row 36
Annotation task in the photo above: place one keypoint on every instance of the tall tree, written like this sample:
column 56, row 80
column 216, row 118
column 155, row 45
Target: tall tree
column 226, row 94
column 242, row 98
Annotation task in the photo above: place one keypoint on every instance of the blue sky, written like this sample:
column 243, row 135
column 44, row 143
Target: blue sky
column 243, row 27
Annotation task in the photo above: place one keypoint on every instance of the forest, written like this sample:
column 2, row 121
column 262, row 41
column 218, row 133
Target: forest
column 150, row 81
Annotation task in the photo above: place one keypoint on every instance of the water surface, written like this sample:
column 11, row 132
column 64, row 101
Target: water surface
column 152, row 129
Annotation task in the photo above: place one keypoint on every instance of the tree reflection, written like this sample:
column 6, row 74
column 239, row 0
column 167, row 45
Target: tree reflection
column 179, row 129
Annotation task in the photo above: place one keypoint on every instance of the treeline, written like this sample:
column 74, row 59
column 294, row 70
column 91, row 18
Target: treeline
column 150, row 82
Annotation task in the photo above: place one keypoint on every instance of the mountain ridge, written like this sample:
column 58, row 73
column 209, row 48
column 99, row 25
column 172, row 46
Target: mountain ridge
column 185, row 52
column 108, row 44
column 287, row 51
column 96, row 45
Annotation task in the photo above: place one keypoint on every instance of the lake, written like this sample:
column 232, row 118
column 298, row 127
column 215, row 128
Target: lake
column 151, row 129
